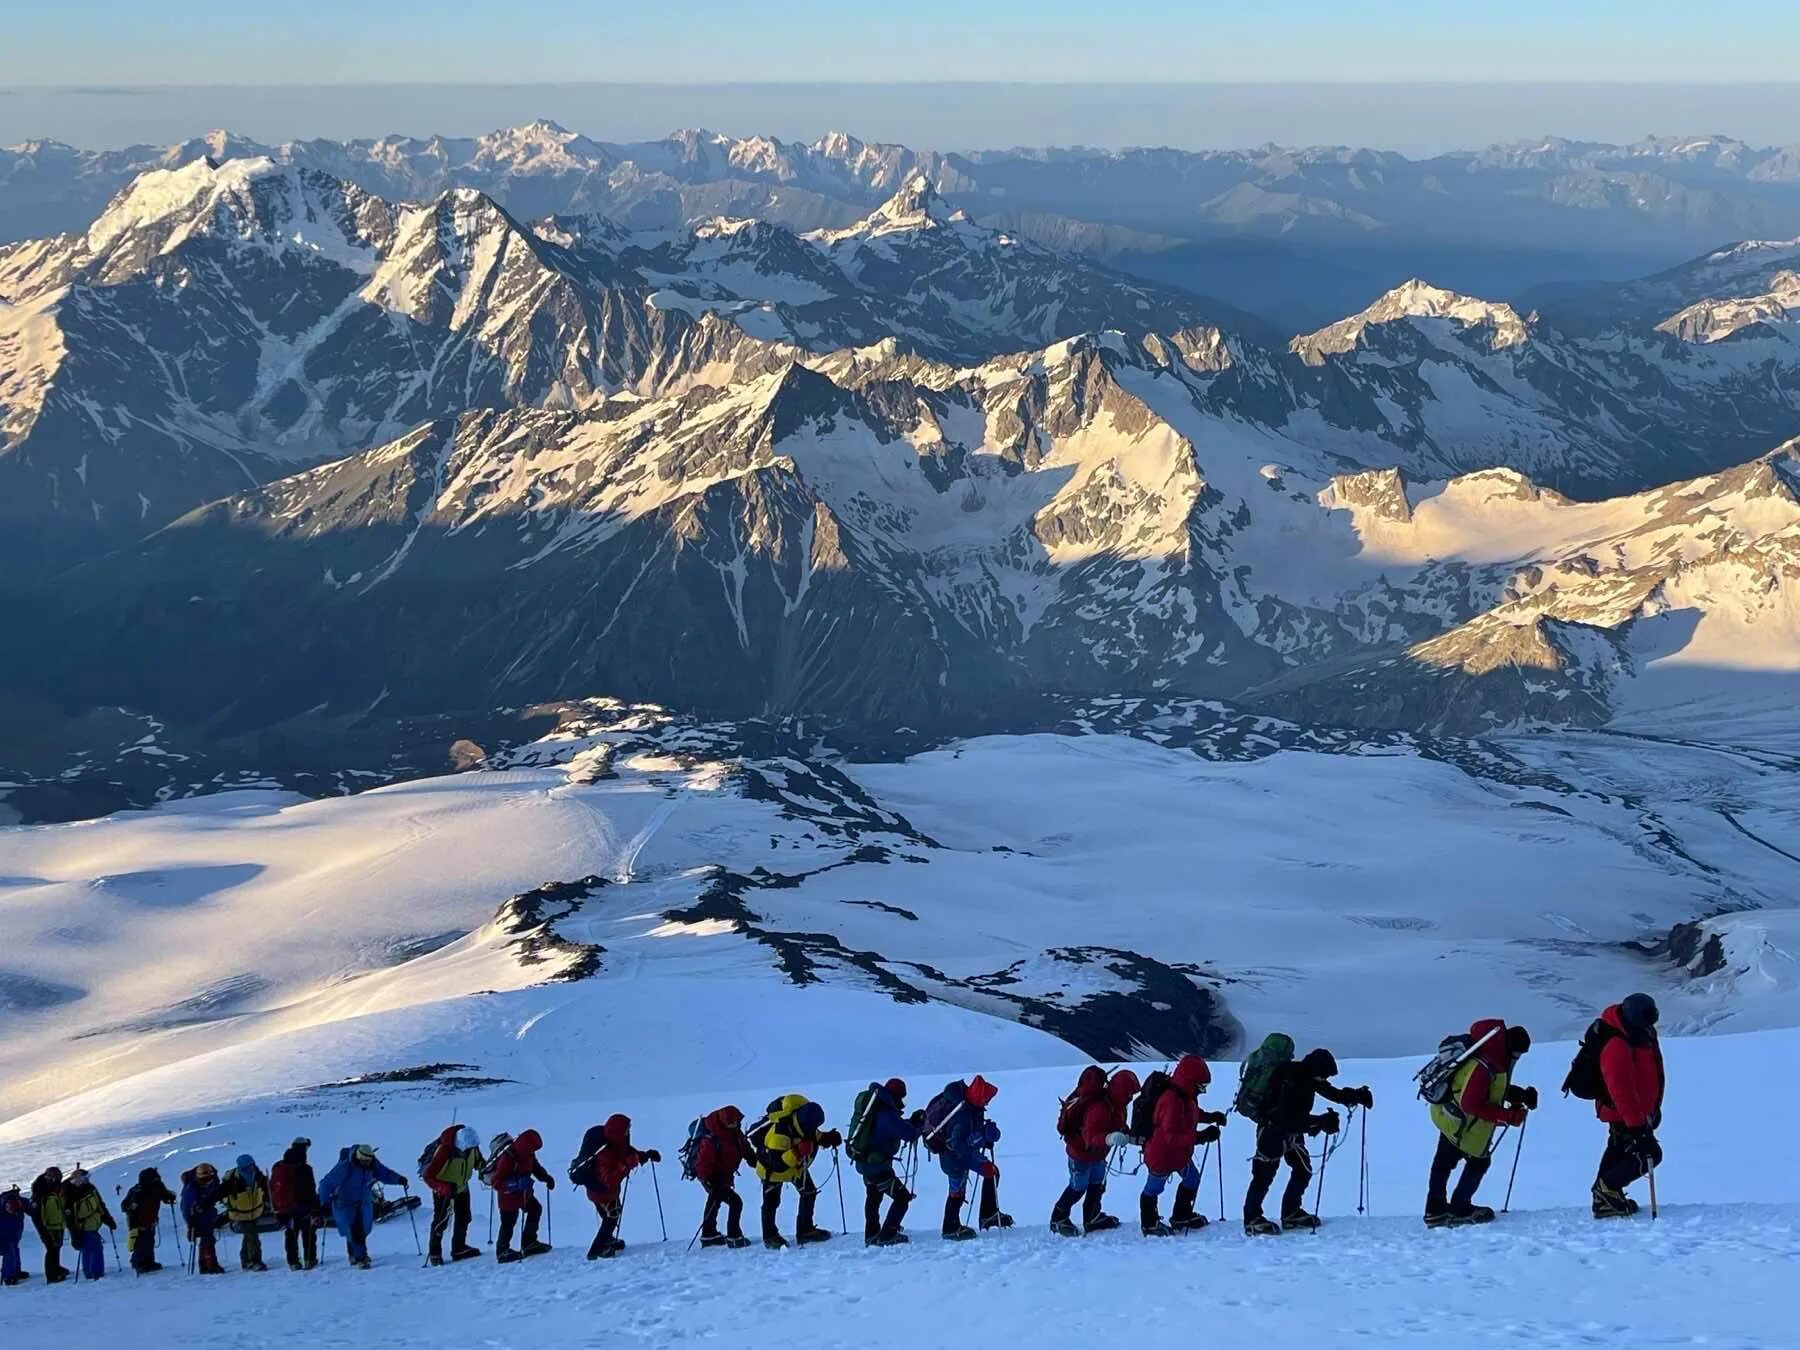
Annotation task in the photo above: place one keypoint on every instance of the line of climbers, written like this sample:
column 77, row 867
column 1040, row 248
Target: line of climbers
column 1468, row 1084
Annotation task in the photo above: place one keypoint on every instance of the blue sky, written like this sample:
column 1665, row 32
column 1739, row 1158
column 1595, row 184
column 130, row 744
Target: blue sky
column 110, row 42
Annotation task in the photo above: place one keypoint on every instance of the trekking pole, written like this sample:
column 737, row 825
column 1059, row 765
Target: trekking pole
column 837, row 1171
column 1362, row 1170
column 1518, row 1148
column 412, row 1213
column 1652, row 1190
column 113, row 1233
column 691, row 1241
column 1324, row 1161
column 175, row 1229
column 490, row 1218
column 660, row 1221
column 550, row 1217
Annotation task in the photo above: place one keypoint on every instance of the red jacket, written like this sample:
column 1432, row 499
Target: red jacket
column 1103, row 1114
column 1633, row 1074
column 1170, row 1147
column 446, row 1150
column 723, row 1147
column 613, row 1163
column 1489, row 1060
column 516, row 1168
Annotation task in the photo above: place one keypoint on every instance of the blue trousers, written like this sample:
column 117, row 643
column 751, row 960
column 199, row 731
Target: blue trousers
column 1190, row 1178
column 92, row 1248
column 1083, row 1175
column 10, row 1265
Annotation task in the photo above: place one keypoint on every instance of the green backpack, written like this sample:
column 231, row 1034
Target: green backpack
column 862, row 1125
column 1256, row 1076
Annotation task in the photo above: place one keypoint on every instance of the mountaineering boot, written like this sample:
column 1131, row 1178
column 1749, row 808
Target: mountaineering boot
column 1255, row 1225
column 464, row 1253
column 1296, row 1219
column 812, row 1235
column 597, row 1248
column 1149, row 1220
column 955, row 1230
column 506, row 1255
column 1438, row 1218
column 433, row 1260
column 712, row 1240
column 1473, row 1214
column 736, row 1241
column 363, row 1263
column 996, row 1220
column 1611, row 1204
column 774, row 1241
column 1059, row 1216
column 887, row 1239
column 1182, row 1217
column 533, row 1247
column 1092, row 1219
column 294, row 1263
column 991, row 1217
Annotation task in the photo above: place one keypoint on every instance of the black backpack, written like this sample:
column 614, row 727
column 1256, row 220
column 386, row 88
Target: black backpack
column 581, row 1168
column 1585, row 1079
column 1143, row 1110
column 425, row 1157
column 697, row 1134
column 938, row 1112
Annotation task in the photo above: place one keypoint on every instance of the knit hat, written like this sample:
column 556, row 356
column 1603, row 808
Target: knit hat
column 895, row 1088
column 1518, row 1041
column 1320, row 1064
column 1638, row 1011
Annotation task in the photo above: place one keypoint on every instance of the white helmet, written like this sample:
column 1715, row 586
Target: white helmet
column 466, row 1139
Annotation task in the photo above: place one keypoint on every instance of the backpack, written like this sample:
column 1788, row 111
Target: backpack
column 1143, row 1111
column 862, row 1125
column 425, row 1157
column 1087, row 1090
column 581, row 1167
column 697, row 1134
column 498, row 1147
column 938, row 1112
column 1437, row 1074
column 1585, row 1079
column 1256, row 1076
column 282, row 1187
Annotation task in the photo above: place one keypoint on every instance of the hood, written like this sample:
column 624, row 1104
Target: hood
column 726, row 1118
column 1092, row 1081
column 617, row 1131
column 78, row 1177
column 809, row 1118
column 1191, row 1074
column 1493, row 1053
column 1122, row 1086
column 246, row 1165
column 1320, row 1064
column 149, row 1177
column 980, row 1092
column 448, row 1136
column 1615, row 1018
column 296, row 1153
column 529, row 1142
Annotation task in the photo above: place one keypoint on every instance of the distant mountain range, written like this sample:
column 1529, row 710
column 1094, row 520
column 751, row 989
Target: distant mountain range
column 1297, row 234
column 276, row 445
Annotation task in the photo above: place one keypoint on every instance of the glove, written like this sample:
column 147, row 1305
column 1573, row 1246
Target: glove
column 1361, row 1096
column 113, row 1224
column 1642, row 1142
column 549, row 1183
column 1515, row 1115
column 1118, row 1139
column 990, row 1169
column 1655, row 1117
column 990, row 1132
column 804, row 1149
column 651, row 1155
column 1325, row 1124
column 405, row 1185
column 917, row 1117
column 1214, row 1118
column 830, row 1139
column 1207, row 1136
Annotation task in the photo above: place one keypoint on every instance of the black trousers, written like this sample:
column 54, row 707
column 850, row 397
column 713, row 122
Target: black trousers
column 1274, row 1147
column 301, row 1238
column 722, row 1193
column 1443, row 1163
column 533, row 1210
column 449, row 1213
column 877, row 1188
column 771, row 1201
column 53, row 1245
column 1624, row 1161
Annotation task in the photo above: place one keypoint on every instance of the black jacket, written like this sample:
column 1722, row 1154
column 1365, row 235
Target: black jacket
column 1294, row 1098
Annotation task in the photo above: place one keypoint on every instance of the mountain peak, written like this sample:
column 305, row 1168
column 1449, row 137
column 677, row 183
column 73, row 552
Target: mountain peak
column 186, row 194
column 916, row 206
column 1415, row 299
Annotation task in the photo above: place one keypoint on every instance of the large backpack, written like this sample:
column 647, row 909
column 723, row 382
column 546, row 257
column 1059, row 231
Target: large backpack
column 1256, row 1076
column 425, row 1156
column 1439, row 1072
column 697, row 1134
column 1143, row 1110
column 1088, row 1089
column 498, row 1147
column 938, row 1112
column 862, row 1124
column 1585, row 1079
column 283, row 1188
column 581, row 1166
column 758, row 1133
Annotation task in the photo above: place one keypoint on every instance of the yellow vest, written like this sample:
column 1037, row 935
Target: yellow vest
column 779, row 1140
column 458, row 1169
column 50, row 1213
column 1474, row 1136
column 88, row 1212
column 246, row 1205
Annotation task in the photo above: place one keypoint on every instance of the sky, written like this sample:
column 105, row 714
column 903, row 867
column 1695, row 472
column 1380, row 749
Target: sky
column 1192, row 73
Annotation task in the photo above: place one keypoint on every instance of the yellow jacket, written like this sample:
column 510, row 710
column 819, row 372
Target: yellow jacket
column 1471, row 1134
column 779, row 1155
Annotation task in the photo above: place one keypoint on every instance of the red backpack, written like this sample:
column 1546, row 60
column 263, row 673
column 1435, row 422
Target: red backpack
column 284, row 1187
column 1089, row 1088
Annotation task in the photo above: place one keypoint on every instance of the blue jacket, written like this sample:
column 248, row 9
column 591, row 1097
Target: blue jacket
column 12, row 1226
column 199, row 1204
column 963, row 1139
column 889, row 1130
column 348, row 1188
